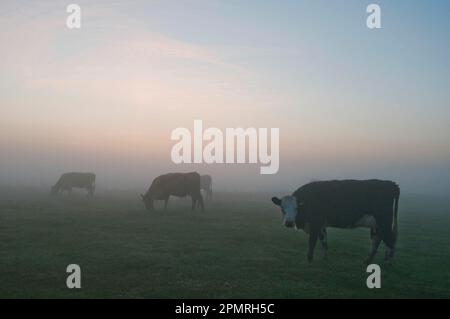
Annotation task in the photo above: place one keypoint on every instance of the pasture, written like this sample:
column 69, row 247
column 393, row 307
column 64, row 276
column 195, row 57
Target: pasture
column 237, row 248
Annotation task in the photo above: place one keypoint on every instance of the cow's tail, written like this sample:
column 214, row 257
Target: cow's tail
column 210, row 190
column 92, row 190
column 394, row 219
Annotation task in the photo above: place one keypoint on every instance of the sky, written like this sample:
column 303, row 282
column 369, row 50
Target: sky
column 350, row 102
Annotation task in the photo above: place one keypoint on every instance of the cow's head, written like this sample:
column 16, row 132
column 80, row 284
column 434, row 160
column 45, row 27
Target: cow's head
column 289, row 209
column 148, row 202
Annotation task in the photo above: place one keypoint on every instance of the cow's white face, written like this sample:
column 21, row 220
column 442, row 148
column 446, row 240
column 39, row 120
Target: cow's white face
column 289, row 208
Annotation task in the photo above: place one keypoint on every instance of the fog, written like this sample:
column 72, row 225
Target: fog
column 41, row 168
column 349, row 102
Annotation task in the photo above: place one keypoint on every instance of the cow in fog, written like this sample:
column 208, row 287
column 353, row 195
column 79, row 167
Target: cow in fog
column 344, row 204
column 174, row 184
column 68, row 181
column 206, row 185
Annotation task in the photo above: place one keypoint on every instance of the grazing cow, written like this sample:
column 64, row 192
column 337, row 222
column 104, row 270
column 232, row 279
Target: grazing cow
column 68, row 181
column 344, row 204
column 176, row 184
column 206, row 185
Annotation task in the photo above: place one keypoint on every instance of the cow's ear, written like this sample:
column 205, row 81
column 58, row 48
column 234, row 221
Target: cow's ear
column 276, row 201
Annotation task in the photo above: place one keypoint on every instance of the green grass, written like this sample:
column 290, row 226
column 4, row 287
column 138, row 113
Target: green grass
column 235, row 249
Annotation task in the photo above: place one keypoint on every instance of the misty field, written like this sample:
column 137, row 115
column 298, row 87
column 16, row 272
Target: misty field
column 237, row 248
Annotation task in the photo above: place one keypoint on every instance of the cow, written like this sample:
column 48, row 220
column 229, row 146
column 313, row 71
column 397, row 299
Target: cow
column 71, row 180
column 344, row 204
column 206, row 185
column 174, row 184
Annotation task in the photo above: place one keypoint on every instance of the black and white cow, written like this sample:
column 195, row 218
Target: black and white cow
column 344, row 204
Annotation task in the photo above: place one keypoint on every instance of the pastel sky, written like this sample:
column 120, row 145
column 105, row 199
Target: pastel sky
column 350, row 102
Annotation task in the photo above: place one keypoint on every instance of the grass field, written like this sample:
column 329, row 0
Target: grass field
column 235, row 249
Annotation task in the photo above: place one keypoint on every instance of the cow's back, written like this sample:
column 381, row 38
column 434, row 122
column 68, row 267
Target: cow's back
column 176, row 184
column 75, row 179
column 343, row 202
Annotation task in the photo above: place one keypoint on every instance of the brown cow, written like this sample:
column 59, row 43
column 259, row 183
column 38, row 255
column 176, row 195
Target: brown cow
column 175, row 184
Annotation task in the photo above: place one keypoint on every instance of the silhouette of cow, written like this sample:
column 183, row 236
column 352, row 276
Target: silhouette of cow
column 71, row 180
column 174, row 184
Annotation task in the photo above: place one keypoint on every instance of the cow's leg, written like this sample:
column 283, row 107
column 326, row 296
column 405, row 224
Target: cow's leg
column 194, row 201
column 388, row 236
column 197, row 198
column 323, row 240
column 200, row 201
column 91, row 191
column 166, row 200
column 376, row 240
column 389, row 241
column 312, row 243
